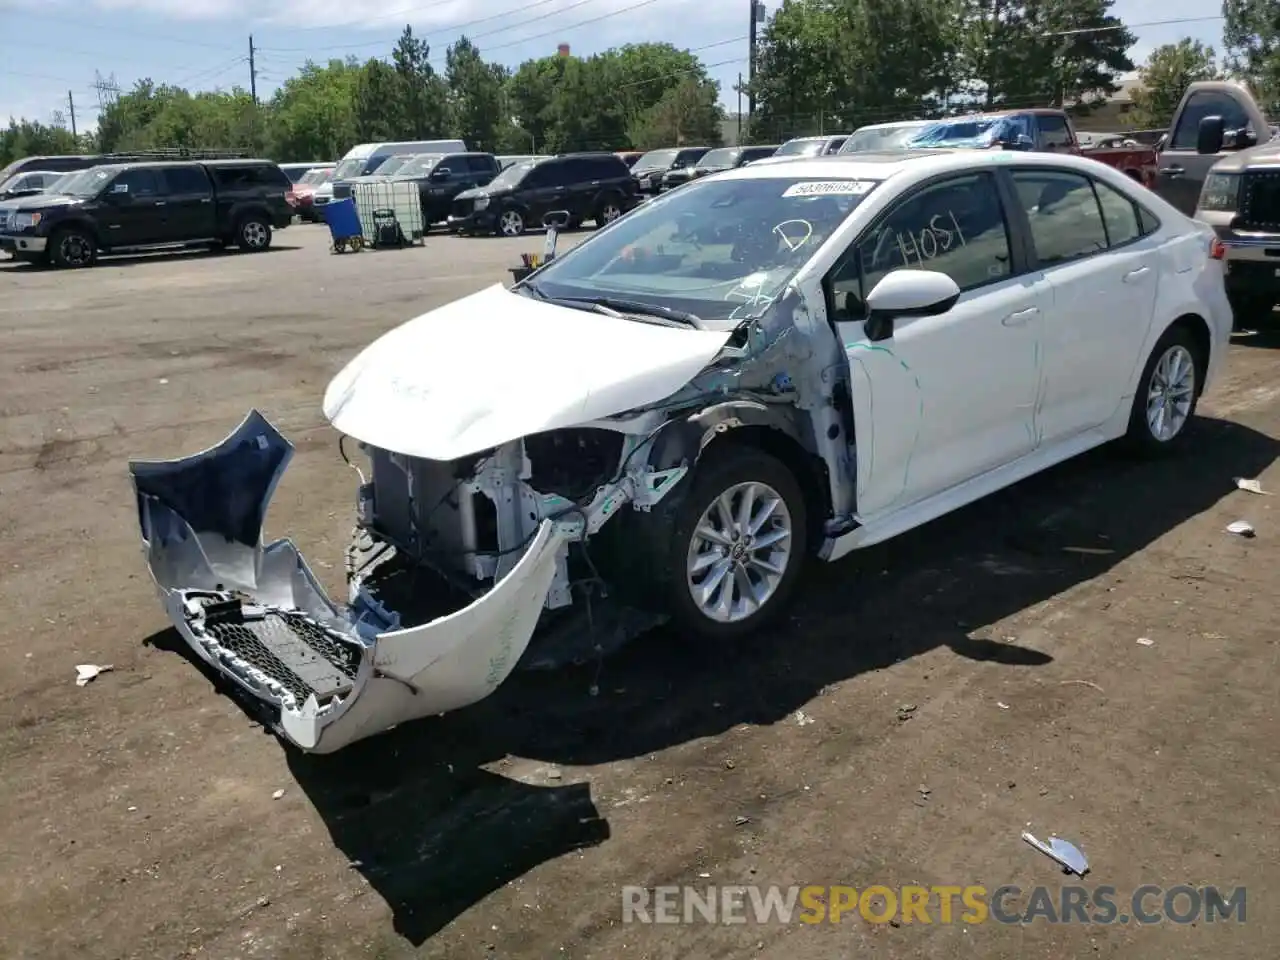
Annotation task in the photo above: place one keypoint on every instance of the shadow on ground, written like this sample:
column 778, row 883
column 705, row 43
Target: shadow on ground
column 434, row 834
column 133, row 259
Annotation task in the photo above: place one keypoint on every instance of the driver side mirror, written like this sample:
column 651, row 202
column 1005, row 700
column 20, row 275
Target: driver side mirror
column 1211, row 135
column 907, row 293
column 441, row 173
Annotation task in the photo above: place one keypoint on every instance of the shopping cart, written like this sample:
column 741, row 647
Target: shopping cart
column 344, row 225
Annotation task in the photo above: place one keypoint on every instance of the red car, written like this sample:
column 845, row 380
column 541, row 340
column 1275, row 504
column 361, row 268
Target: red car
column 301, row 194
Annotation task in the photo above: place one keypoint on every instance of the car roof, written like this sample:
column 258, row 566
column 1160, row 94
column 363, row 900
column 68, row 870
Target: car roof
column 882, row 165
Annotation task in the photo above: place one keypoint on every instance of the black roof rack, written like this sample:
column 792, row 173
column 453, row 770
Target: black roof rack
column 172, row 153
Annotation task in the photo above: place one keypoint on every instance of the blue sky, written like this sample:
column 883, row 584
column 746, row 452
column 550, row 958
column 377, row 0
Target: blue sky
column 55, row 46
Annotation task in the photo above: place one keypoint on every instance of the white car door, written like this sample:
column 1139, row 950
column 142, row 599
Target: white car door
column 950, row 397
column 1103, row 272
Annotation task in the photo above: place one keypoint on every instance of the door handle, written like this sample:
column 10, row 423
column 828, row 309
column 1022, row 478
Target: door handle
column 1173, row 171
column 161, row 203
column 1135, row 274
column 1020, row 318
column 206, row 200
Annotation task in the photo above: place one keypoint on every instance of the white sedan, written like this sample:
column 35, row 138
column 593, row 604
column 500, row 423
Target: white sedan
column 779, row 360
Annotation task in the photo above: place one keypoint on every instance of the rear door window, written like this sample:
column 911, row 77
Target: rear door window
column 186, row 181
column 1063, row 213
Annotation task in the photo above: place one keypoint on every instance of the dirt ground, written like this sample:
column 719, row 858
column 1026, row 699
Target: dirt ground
column 928, row 700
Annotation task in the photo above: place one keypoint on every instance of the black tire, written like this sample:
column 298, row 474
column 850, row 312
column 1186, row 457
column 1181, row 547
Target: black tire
column 666, row 534
column 72, row 248
column 609, row 210
column 1251, row 311
column 1141, row 437
column 253, row 233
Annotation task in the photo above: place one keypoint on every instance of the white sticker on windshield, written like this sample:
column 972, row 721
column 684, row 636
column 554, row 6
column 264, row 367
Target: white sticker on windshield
column 829, row 188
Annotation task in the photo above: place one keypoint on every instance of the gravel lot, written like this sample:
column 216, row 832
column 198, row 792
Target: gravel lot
column 956, row 685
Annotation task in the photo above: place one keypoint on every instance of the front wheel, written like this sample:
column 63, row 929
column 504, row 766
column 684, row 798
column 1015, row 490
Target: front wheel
column 1167, row 393
column 72, row 248
column 511, row 223
column 735, row 547
column 253, row 234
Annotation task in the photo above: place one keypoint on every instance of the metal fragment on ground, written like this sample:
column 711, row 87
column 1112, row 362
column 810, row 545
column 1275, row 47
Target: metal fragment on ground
column 1241, row 528
column 1064, row 853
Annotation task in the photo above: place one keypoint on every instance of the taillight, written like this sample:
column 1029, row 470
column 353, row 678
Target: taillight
column 291, row 198
column 1217, row 250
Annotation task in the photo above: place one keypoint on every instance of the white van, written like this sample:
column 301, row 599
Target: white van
column 362, row 159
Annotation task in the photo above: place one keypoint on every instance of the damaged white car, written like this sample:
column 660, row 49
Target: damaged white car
column 773, row 362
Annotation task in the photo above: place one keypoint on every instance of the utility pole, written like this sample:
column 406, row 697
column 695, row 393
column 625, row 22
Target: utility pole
column 757, row 14
column 253, row 73
column 739, row 109
column 72, row 104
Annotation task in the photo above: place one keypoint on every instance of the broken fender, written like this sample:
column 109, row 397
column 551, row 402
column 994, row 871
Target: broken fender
column 333, row 673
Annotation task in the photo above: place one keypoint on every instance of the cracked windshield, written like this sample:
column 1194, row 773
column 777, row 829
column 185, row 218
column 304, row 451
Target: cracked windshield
column 722, row 251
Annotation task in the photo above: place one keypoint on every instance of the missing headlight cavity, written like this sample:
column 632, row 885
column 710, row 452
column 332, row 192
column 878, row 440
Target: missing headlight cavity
column 574, row 462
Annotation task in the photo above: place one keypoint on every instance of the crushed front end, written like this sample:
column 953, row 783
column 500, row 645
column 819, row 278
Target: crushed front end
column 452, row 568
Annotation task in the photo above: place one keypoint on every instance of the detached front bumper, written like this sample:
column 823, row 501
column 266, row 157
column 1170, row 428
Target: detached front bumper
column 330, row 673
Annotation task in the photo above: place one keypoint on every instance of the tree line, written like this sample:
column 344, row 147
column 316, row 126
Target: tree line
column 821, row 66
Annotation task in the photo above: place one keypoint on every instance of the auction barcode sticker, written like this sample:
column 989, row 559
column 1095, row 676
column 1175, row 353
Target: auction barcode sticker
column 829, row 188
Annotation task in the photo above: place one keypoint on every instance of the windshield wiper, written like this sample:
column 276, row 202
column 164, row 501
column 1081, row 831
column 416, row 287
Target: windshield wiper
column 642, row 309
column 614, row 307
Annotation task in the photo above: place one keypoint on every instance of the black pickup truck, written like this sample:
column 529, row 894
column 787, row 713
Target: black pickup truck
column 139, row 206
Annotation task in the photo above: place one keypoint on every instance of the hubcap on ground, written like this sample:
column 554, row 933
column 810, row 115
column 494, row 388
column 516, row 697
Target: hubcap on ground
column 739, row 551
column 1169, row 394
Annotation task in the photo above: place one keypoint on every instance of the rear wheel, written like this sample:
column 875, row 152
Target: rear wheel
column 72, row 248
column 609, row 211
column 254, row 233
column 1167, row 393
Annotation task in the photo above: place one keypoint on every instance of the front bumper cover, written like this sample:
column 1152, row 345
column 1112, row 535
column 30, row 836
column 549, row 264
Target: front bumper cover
column 331, row 673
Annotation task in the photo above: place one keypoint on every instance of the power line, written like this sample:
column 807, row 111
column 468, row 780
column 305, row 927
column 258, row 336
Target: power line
column 434, row 32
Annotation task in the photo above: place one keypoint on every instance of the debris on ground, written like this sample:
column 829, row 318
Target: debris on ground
column 741, row 821
column 1066, row 854
column 905, row 711
column 1002, row 706
column 277, row 795
column 1251, row 486
column 1146, row 642
column 85, row 672
column 803, row 718
column 1083, row 683
column 1241, row 528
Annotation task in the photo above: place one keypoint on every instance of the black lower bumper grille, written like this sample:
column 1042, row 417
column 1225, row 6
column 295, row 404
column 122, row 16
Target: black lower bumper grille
column 1260, row 201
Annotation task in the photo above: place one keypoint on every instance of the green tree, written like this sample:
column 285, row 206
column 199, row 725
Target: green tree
column 1041, row 52
column 530, row 92
column 313, row 114
column 423, row 103
column 689, row 114
column 24, row 138
column 1169, row 70
column 379, row 105
column 477, row 96
column 1251, row 34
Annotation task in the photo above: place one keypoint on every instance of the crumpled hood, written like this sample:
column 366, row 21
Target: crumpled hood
column 497, row 365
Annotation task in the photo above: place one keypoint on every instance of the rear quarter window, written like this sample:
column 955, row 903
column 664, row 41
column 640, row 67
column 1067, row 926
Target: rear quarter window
column 249, row 177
